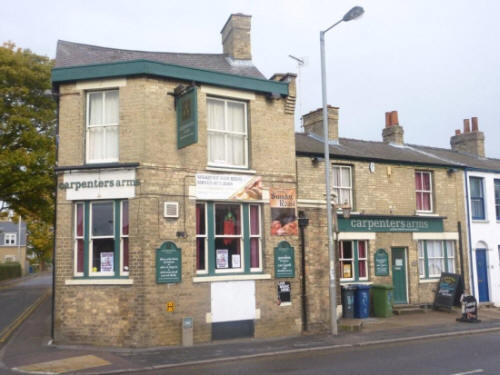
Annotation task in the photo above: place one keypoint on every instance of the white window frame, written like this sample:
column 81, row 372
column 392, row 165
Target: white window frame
column 122, row 237
column 444, row 257
column 422, row 191
column 226, row 133
column 88, row 126
column 92, row 238
column 204, row 271
column 240, row 236
column 259, row 236
column 10, row 239
column 337, row 188
column 76, row 238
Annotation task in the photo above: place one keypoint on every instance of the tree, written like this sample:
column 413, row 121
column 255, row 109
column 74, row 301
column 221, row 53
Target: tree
column 27, row 133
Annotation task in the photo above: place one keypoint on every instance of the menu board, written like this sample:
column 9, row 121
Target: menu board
column 284, row 260
column 381, row 263
column 168, row 264
column 449, row 290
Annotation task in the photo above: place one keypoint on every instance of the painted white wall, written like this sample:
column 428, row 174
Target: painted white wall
column 486, row 234
column 233, row 300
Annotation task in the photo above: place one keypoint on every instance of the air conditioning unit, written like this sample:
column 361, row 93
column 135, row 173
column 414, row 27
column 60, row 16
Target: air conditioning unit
column 171, row 209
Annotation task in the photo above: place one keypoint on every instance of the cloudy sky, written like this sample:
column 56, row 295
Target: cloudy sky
column 436, row 62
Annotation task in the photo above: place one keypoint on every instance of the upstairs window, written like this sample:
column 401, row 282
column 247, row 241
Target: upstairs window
column 423, row 191
column 10, row 239
column 342, row 184
column 497, row 198
column 477, row 198
column 227, row 142
column 102, row 126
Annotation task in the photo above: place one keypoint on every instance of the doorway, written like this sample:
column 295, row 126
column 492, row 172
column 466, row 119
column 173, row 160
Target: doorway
column 399, row 275
column 482, row 275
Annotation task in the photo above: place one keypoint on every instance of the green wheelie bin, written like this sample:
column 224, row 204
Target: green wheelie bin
column 382, row 300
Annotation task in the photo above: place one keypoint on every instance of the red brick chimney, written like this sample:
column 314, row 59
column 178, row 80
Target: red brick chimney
column 470, row 141
column 392, row 133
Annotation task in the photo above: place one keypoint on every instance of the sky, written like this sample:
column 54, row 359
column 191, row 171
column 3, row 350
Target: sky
column 435, row 62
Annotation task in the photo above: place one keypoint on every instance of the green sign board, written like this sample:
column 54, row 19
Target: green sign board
column 381, row 263
column 168, row 264
column 367, row 223
column 187, row 118
column 284, row 260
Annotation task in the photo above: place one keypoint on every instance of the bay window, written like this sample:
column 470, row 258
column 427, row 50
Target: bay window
column 353, row 260
column 101, row 230
column 423, row 191
column 477, row 198
column 228, row 238
column 227, row 142
column 102, row 126
column 342, row 184
column 435, row 257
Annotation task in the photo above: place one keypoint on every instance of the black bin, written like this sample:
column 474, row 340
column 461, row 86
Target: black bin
column 347, row 293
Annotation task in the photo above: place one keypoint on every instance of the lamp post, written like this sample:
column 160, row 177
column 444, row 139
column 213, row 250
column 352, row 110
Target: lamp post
column 349, row 16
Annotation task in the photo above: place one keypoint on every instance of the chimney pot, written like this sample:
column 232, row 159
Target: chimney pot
column 466, row 126
column 387, row 119
column 475, row 126
column 392, row 133
column 394, row 118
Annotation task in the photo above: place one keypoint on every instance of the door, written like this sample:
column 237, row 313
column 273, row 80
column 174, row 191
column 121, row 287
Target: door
column 482, row 275
column 399, row 275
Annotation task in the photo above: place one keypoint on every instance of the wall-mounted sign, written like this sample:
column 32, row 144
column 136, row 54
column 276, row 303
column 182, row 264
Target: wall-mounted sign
column 187, row 118
column 170, row 306
column 283, row 204
column 284, row 260
column 228, row 186
column 390, row 224
column 168, row 264
column 381, row 263
column 284, row 292
column 116, row 184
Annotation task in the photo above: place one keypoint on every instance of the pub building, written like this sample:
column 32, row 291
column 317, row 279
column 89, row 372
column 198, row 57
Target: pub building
column 405, row 206
column 176, row 196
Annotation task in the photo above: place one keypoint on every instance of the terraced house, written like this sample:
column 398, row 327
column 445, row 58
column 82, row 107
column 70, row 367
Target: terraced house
column 176, row 196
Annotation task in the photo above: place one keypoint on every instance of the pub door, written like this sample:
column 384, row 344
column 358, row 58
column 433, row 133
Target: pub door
column 399, row 275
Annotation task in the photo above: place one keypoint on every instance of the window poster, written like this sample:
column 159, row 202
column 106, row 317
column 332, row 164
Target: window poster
column 222, row 258
column 106, row 262
column 283, row 204
column 236, row 260
column 347, row 271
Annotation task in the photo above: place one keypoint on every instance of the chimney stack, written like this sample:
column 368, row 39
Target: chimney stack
column 392, row 133
column 470, row 141
column 313, row 123
column 236, row 37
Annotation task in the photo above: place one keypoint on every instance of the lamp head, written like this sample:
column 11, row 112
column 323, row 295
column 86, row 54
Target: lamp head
column 354, row 13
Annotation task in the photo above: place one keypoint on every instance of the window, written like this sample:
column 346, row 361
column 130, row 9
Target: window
column 477, row 198
column 435, row 257
column 497, row 198
column 353, row 260
column 102, row 126
column 228, row 238
column 10, row 239
column 227, row 133
column 101, row 238
column 423, row 191
column 342, row 184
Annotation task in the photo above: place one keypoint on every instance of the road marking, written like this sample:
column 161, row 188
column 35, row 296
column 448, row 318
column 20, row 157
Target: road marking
column 64, row 365
column 469, row 372
column 21, row 318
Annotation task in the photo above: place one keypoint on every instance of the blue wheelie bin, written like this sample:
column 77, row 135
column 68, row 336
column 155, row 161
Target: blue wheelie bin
column 362, row 301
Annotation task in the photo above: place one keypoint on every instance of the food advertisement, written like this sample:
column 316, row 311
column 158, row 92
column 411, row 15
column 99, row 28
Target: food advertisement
column 283, row 204
column 227, row 186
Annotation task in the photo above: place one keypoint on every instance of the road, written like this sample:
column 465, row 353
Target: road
column 15, row 299
column 463, row 355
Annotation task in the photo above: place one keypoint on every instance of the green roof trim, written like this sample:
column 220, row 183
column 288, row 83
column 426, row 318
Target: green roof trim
column 146, row 67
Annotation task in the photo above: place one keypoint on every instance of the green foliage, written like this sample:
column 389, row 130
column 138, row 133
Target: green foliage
column 9, row 270
column 40, row 239
column 27, row 133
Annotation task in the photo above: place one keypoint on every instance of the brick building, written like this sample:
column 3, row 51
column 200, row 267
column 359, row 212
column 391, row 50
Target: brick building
column 176, row 196
column 406, row 203
column 13, row 242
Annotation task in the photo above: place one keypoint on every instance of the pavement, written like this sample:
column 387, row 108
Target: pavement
column 29, row 349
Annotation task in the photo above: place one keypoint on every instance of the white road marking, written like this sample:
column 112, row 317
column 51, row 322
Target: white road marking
column 470, row 372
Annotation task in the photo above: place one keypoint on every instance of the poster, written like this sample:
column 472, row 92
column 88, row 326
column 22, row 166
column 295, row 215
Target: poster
column 283, row 212
column 107, row 262
column 228, row 186
column 236, row 260
column 222, row 258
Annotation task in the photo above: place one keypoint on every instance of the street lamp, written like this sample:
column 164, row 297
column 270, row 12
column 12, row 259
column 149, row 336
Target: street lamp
column 349, row 16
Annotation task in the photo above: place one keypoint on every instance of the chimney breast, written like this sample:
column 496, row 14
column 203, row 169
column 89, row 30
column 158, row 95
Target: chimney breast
column 236, row 37
column 313, row 123
column 392, row 133
column 471, row 142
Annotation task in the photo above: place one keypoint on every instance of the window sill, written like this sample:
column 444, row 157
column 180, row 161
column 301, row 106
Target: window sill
column 480, row 221
column 206, row 279
column 98, row 281
column 362, row 282
column 232, row 170
column 428, row 281
column 423, row 213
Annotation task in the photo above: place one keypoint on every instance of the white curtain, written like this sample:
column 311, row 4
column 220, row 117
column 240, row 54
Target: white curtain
column 236, row 117
column 95, row 108
column 215, row 114
column 111, row 145
column 96, row 143
column 112, row 109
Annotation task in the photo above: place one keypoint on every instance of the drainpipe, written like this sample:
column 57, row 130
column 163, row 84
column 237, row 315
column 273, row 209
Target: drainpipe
column 303, row 223
column 461, row 249
column 56, row 96
column 471, row 261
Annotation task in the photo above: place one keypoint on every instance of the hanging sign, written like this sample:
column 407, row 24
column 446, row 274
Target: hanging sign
column 187, row 118
column 381, row 263
column 283, row 204
column 168, row 264
column 284, row 260
column 228, row 186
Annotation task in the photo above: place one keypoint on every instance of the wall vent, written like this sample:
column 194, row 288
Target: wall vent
column 171, row 209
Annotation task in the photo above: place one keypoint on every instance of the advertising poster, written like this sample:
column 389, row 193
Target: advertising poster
column 227, row 186
column 107, row 262
column 283, row 204
column 222, row 258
